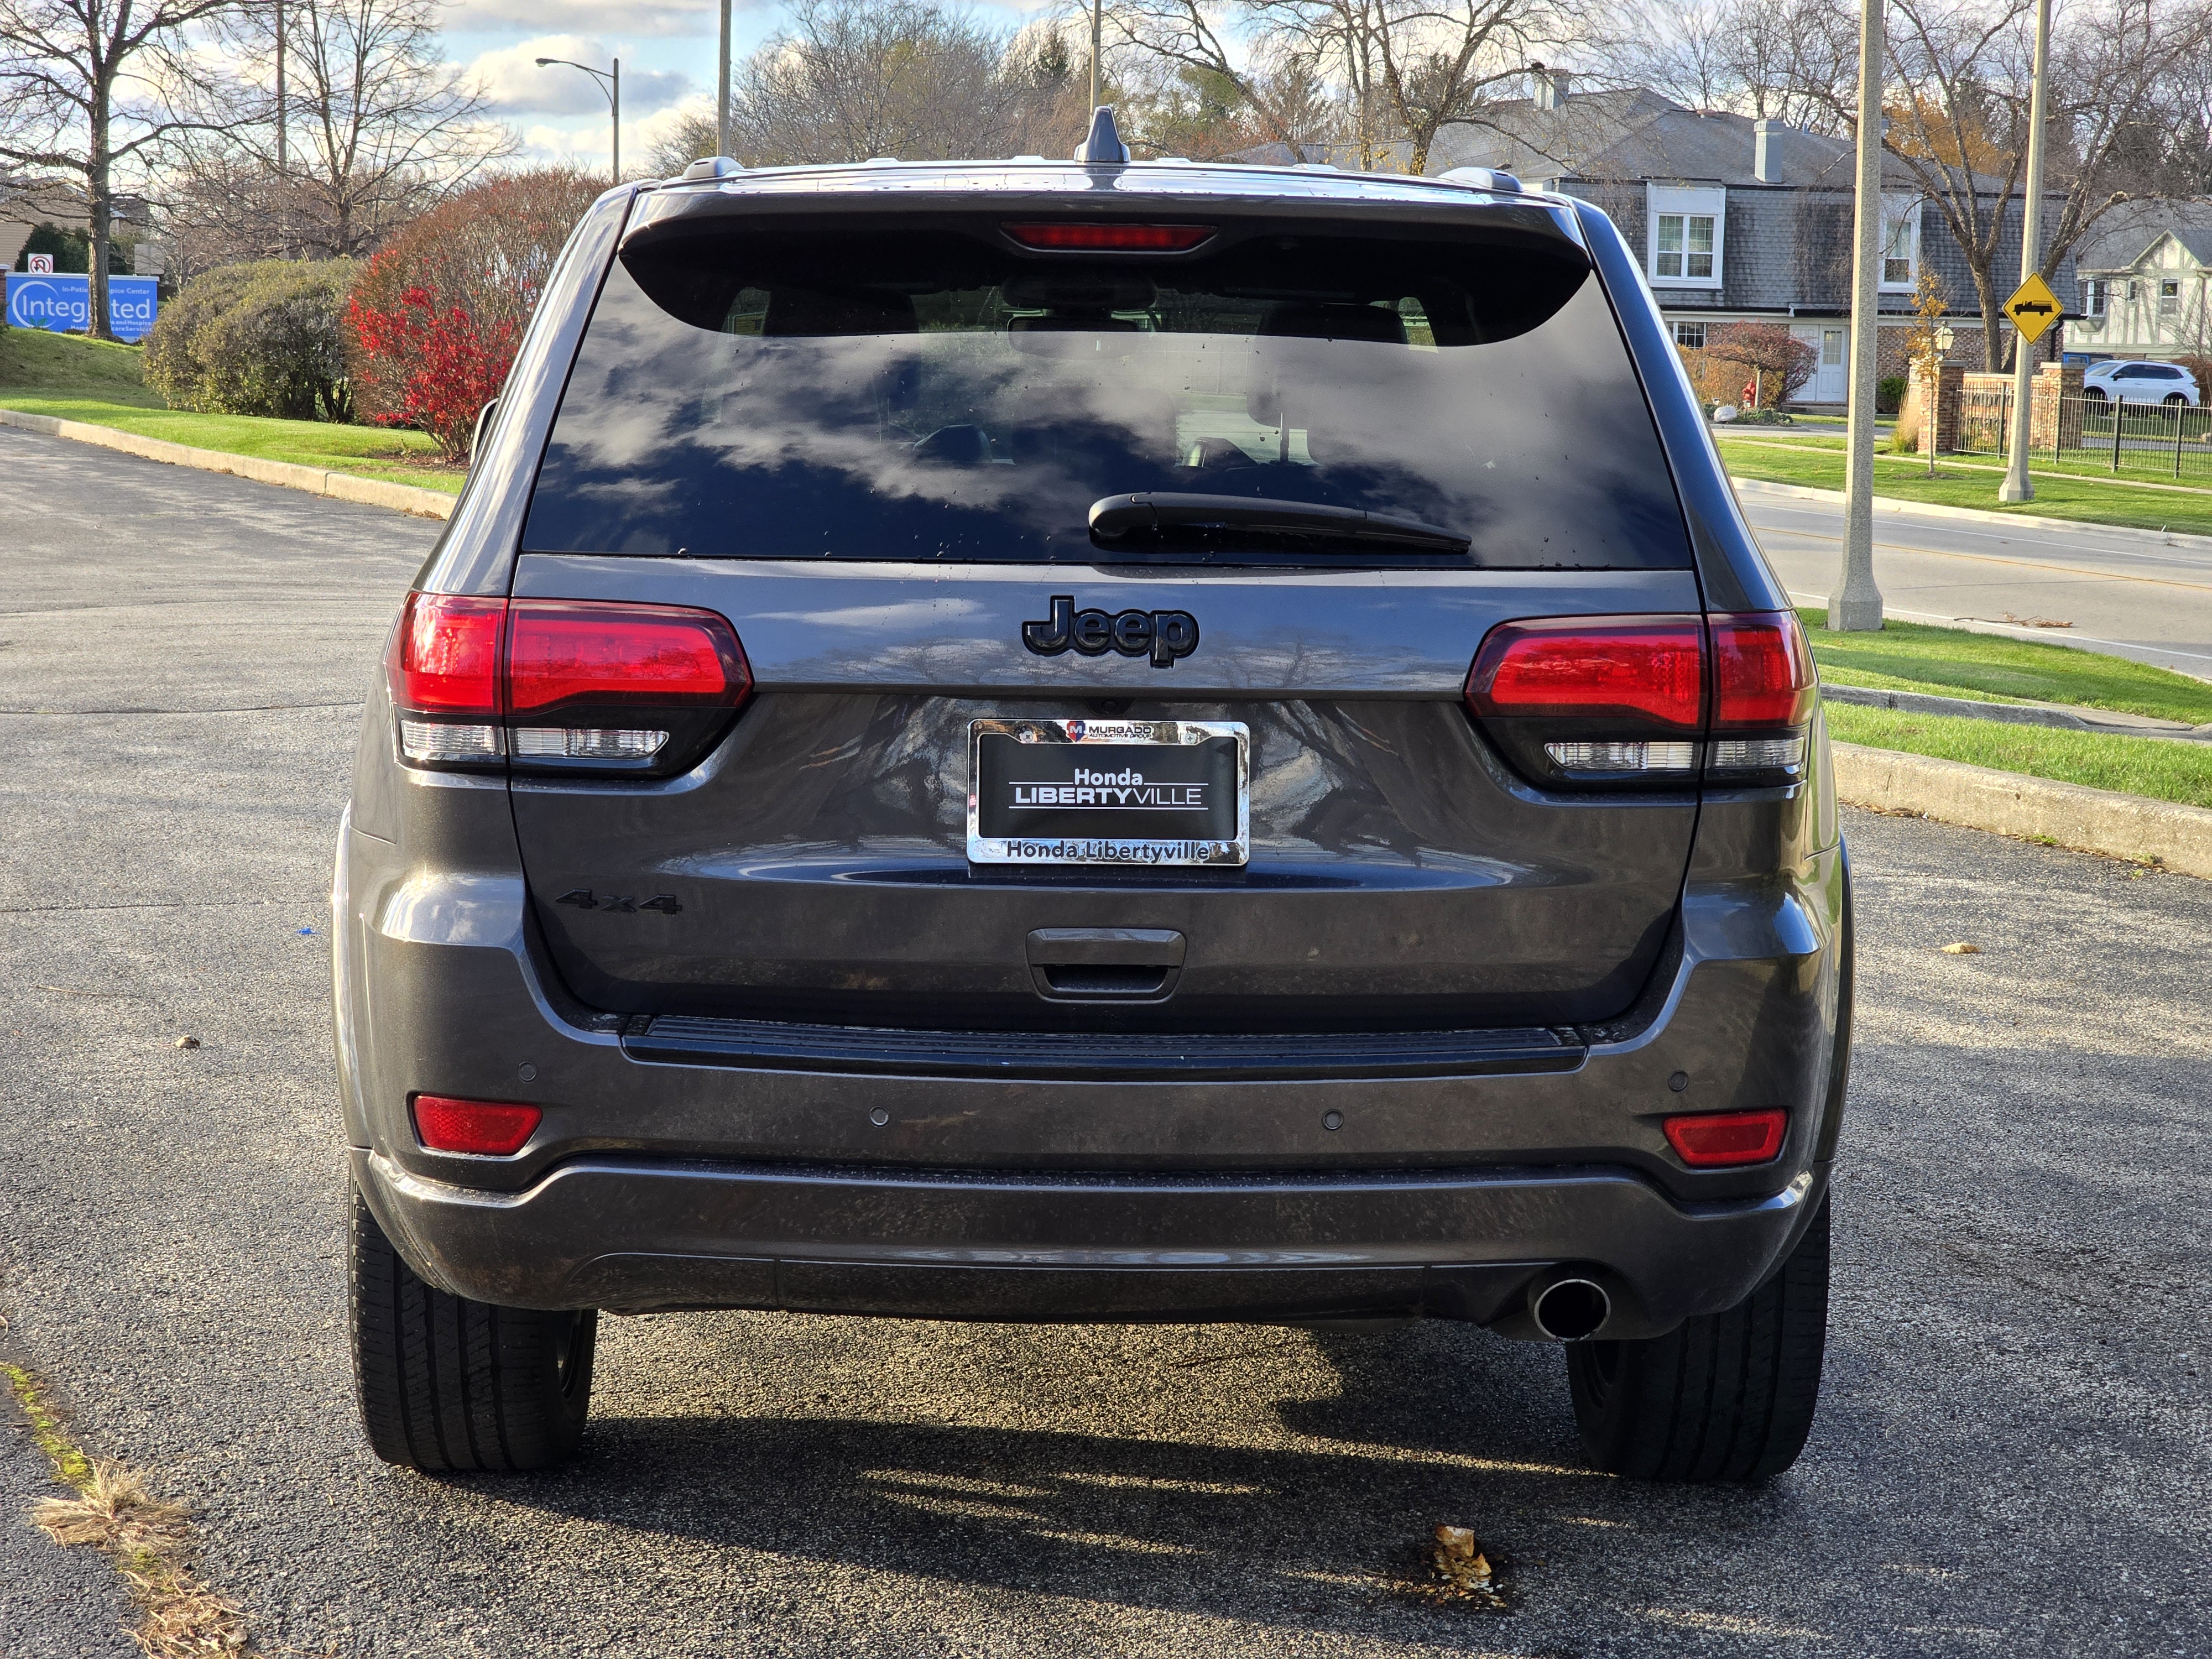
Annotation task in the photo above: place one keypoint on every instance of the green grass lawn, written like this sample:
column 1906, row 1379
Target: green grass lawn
column 73, row 379
column 1820, row 463
column 1951, row 662
column 2136, row 766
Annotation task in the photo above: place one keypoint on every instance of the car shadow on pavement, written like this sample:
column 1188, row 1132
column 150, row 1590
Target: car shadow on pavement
column 1317, row 1509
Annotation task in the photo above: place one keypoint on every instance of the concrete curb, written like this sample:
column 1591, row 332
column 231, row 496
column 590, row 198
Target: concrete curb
column 1983, row 798
column 1975, row 515
column 339, row 486
column 2055, row 715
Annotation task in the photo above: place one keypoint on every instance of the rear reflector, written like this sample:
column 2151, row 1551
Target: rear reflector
column 1111, row 239
column 1650, row 669
column 444, row 657
column 1715, row 1140
column 1762, row 672
column 482, row 1128
column 560, row 652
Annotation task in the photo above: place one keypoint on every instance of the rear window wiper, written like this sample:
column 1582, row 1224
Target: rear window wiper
column 1165, row 512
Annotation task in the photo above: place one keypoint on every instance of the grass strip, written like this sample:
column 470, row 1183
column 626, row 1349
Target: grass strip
column 1904, row 477
column 1951, row 662
column 149, row 1539
column 73, row 379
column 2177, row 772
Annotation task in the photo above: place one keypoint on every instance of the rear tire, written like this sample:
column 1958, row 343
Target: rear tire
column 446, row 1383
column 1729, row 1397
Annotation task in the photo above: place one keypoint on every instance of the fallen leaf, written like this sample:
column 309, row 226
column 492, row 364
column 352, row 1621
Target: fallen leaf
column 186, row 1042
column 1457, row 1542
column 1962, row 949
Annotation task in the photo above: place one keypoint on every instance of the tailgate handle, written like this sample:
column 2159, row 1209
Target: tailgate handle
column 1105, row 947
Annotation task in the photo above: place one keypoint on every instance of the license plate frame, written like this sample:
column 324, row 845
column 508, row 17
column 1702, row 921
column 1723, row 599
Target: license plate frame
column 1032, row 740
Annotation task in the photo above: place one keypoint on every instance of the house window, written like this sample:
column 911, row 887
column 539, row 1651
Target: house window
column 1897, row 258
column 2169, row 299
column 1687, row 234
column 1832, row 348
column 1685, row 246
column 1692, row 335
column 2094, row 297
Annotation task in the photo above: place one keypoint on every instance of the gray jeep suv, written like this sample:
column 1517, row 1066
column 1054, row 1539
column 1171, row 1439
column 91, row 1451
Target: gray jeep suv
column 1086, row 741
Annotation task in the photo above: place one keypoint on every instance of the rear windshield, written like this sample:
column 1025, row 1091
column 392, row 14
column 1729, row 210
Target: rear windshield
column 938, row 392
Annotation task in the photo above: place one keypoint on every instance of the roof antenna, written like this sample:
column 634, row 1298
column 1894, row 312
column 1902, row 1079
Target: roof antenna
column 1104, row 144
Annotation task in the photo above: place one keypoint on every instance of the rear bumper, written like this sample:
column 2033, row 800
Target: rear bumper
column 636, row 1234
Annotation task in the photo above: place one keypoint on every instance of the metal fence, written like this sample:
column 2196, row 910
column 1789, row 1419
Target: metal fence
column 2088, row 432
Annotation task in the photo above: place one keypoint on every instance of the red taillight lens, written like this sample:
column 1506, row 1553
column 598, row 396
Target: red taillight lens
column 1762, row 673
column 1110, row 238
column 1648, row 669
column 445, row 657
column 486, row 1128
column 563, row 653
column 1717, row 1140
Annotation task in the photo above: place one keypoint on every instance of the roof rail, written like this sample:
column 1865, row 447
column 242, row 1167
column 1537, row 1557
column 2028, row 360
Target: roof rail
column 712, row 167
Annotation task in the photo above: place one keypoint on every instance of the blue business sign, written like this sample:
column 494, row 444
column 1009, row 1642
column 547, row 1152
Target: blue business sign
column 64, row 303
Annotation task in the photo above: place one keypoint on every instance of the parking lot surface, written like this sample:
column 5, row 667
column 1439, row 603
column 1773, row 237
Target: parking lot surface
column 2014, row 1454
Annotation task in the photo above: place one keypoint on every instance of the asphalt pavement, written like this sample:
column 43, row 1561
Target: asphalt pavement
column 2134, row 593
column 2014, row 1453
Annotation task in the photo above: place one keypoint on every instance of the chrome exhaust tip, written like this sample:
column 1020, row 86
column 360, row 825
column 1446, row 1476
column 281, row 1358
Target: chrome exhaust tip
column 1570, row 1309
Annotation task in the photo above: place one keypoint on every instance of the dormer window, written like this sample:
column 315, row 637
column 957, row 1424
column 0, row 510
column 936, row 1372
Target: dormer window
column 1688, row 235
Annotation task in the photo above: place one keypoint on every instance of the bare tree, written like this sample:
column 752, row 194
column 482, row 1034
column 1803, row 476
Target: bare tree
column 90, row 86
column 1769, row 59
column 1404, row 70
column 378, row 129
column 853, row 79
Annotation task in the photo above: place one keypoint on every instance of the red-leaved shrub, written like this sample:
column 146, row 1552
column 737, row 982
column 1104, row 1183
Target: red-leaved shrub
column 436, row 317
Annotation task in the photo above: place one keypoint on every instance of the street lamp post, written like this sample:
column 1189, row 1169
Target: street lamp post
column 1855, row 605
column 1098, row 29
column 722, row 88
column 610, row 85
column 2016, row 486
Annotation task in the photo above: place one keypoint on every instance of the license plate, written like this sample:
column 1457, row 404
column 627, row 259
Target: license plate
column 1139, row 792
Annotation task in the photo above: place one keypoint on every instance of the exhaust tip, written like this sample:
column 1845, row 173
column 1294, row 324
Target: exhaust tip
column 1569, row 1310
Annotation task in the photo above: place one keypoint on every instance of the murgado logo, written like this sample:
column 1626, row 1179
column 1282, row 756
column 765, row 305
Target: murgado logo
column 1166, row 636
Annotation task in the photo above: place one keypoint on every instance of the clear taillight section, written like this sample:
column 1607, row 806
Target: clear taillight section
column 1648, row 702
column 562, row 685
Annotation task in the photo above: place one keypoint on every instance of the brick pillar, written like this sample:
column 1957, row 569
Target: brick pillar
column 2055, row 415
column 1938, row 394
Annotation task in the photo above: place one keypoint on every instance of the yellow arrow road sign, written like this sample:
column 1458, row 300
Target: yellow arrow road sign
column 2034, row 307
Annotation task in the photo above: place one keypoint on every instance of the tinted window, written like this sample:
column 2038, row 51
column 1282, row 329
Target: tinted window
column 933, row 393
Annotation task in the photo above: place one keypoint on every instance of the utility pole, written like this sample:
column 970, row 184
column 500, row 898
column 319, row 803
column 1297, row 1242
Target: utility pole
column 1097, row 30
column 722, row 92
column 614, row 97
column 1856, row 605
column 2016, row 486
column 283, row 122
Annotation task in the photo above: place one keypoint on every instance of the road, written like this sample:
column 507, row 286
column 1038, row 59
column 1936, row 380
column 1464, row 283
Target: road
column 2014, row 1454
column 2129, row 592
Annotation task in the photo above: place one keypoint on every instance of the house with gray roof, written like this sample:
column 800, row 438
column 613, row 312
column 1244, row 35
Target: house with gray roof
column 1735, row 218
column 2144, row 290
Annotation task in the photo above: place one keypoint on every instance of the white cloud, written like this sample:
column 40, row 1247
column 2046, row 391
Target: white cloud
column 514, row 84
column 681, row 17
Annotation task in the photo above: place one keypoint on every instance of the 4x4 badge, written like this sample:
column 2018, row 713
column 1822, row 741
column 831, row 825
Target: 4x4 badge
column 1166, row 636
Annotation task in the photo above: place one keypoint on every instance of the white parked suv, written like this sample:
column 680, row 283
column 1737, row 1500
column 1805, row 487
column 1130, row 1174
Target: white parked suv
column 2140, row 383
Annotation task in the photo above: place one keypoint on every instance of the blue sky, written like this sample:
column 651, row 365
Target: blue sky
column 667, row 52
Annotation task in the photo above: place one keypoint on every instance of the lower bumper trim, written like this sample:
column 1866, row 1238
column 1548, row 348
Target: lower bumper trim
column 636, row 1234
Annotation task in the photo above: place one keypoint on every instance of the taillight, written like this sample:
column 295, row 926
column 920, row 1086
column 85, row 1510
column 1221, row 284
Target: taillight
column 1595, row 701
column 1615, row 703
column 1721, row 1140
column 445, row 662
column 482, row 1128
column 1765, row 691
column 563, row 685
